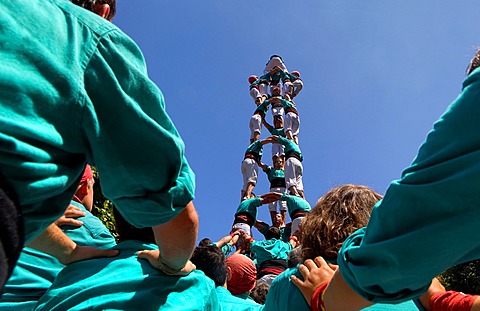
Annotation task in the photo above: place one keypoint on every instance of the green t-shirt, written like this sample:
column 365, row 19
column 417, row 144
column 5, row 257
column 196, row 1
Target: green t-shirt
column 75, row 90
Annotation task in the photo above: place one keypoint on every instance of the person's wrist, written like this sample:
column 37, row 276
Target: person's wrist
column 317, row 303
column 166, row 268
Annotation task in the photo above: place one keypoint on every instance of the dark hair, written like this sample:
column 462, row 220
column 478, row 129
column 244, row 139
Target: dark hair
column 295, row 257
column 128, row 232
column 259, row 293
column 205, row 242
column 272, row 233
column 336, row 215
column 90, row 5
column 474, row 63
column 211, row 260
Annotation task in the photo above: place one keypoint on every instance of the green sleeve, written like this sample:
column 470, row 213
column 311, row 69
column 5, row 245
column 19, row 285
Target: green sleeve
column 295, row 203
column 133, row 143
column 427, row 220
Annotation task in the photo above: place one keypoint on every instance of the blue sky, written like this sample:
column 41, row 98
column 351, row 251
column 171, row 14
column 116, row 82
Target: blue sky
column 377, row 74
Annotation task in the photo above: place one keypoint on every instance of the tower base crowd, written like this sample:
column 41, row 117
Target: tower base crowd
column 74, row 89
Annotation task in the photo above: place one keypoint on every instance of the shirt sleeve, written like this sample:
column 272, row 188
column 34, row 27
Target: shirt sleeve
column 427, row 221
column 133, row 143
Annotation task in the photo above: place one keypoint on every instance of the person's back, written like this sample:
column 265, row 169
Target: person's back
column 127, row 283
column 70, row 82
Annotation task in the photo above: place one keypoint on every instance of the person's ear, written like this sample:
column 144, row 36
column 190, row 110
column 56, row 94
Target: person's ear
column 229, row 274
column 102, row 9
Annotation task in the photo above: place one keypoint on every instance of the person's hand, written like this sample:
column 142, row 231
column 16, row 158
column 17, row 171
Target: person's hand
column 87, row 252
column 69, row 217
column 153, row 257
column 270, row 197
column 315, row 273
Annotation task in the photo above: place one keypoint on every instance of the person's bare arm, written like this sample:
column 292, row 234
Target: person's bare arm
column 176, row 241
column 56, row 243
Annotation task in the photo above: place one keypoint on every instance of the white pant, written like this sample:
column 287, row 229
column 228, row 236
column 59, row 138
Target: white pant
column 294, row 173
column 277, row 110
column 249, row 172
column 278, row 150
column 261, row 91
column 272, row 207
column 255, row 124
column 293, row 87
column 292, row 123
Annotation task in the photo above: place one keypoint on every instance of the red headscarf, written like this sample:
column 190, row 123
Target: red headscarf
column 244, row 274
column 87, row 174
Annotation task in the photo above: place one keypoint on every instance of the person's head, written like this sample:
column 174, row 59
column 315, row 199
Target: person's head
column 278, row 162
column 337, row 214
column 211, row 260
column 474, row 63
column 84, row 192
column 104, row 8
column 272, row 233
column 259, row 293
column 296, row 73
column 295, row 257
column 242, row 274
column 252, row 79
column 276, row 90
column 205, row 242
column 278, row 220
column 277, row 121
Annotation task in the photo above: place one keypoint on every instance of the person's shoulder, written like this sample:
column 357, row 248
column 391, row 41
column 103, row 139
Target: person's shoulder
column 85, row 18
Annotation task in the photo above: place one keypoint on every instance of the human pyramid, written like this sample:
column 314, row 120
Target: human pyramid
column 286, row 171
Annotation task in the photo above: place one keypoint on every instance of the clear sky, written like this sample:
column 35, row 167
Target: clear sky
column 377, row 74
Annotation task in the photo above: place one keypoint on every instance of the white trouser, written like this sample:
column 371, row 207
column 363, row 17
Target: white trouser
column 249, row 172
column 294, row 173
column 293, row 87
column 255, row 125
column 258, row 92
column 277, row 110
column 292, row 123
column 278, row 150
column 272, row 207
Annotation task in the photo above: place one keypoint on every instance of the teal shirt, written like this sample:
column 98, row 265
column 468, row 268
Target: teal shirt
column 290, row 146
column 431, row 210
column 262, row 108
column 126, row 282
column 249, row 206
column 273, row 173
column 276, row 131
column 284, row 295
column 270, row 249
column 75, row 90
column 233, row 303
column 255, row 148
column 35, row 271
column 295, row 204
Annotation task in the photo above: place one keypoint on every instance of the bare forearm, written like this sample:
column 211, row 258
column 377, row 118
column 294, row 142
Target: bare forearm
column 54, row 242
column 340, row 297
column 176, row 239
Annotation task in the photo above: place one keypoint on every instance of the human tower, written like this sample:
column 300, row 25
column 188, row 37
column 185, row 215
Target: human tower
column 275, row 89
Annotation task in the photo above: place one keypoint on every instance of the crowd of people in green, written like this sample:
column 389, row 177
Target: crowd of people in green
column 65, row 68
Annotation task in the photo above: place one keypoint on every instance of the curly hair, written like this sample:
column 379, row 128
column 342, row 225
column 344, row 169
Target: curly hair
column 337, row 214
